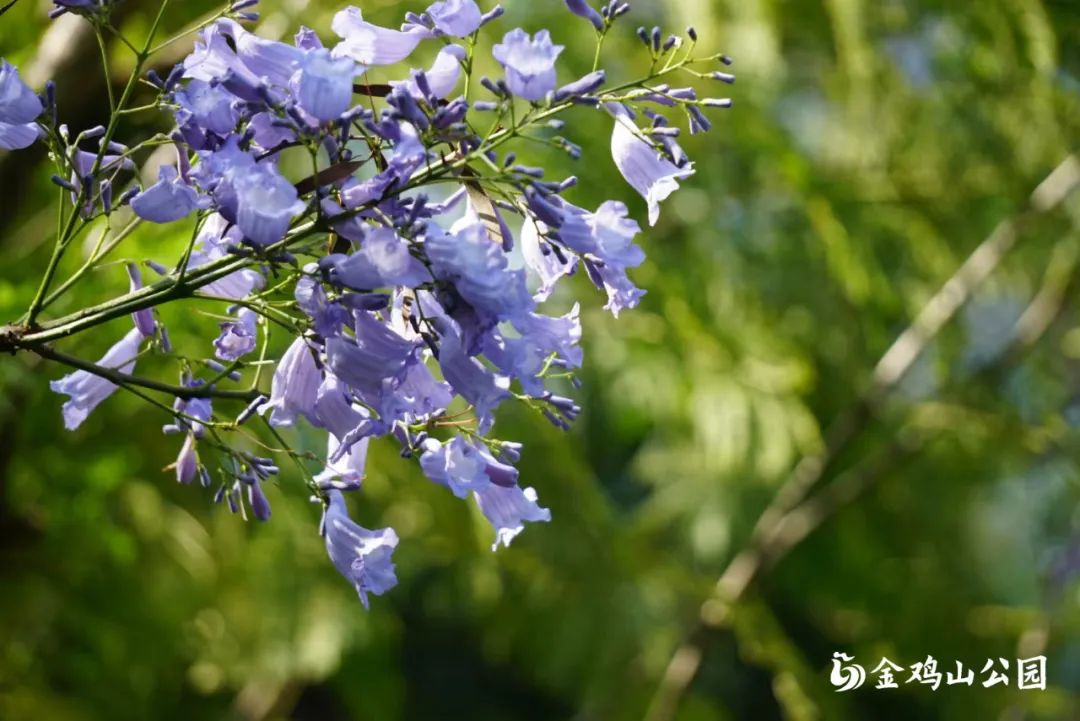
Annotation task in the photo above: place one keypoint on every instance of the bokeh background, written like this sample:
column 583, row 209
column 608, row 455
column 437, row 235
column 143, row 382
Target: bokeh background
column 873, row 146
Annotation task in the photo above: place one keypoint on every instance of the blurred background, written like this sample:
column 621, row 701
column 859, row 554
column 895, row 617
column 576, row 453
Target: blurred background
column 873, row 146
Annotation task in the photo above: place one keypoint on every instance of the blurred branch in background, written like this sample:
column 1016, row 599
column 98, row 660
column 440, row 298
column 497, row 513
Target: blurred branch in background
column 796, row 510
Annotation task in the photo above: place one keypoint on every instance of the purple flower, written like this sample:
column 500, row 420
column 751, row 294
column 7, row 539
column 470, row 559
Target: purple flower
column 650, row 174
column 583, row 9
column 86, row 390
column 370, row 44
column 187, row 461
column 479, row 270
column 266, row 203
column 238, row 337
column 464, row 467
column 549, row 267
column 442, row 76
column 19, row 107
column 335, row 411
column 377, row 354
column 324, row 85
column 469, row 378
column 144, row 319
column 215, row 60
column 529, row 63
column 457, row 18
column 216, row 236
column 296, row 383
column 508, row 509
column 383, row 260
column 167, row 200
column 205, row 107
column 272, row 61
column 363, row 557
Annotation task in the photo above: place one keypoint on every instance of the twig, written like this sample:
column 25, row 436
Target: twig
column 115, row 376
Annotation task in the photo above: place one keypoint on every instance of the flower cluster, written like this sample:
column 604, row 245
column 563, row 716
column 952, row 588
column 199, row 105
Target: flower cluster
column 410, row 267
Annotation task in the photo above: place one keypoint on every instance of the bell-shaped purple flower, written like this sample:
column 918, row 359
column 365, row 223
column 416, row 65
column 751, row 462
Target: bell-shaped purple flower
column 324, row 85
column 548, row 267
column 187, row 461
column 216, row 236
column 363, row 557
column 456, row 18
column 238, row 337
column 442, row 77
column 167, row 200
column 529, row 63
column 479, row 270
column 86, row 390
column 378, row 353
column 383, row 260
column 19, row 107
column 370, row 44
column 144, row 319
column 295, row 385
column 470, row 378
column 266, row 203
column 206, row 107
column 464, row 466
column 650, row 174
column 508, row 508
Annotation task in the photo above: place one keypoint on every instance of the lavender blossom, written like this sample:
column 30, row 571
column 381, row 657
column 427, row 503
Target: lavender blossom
column 464, row 467
column 651, row 175
column 19, row 107
column 296, row 382
column 508, row 509
column 144, row 319
column 529, row 63
column 370, row 44
column 383, row 260
column 456, row 18
column 324, row 85
column 363, row 557
column 237, row 337
column 168, row 200
column 86, row 391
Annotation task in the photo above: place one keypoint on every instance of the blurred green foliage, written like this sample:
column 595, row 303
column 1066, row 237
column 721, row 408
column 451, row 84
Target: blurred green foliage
column 873, row 145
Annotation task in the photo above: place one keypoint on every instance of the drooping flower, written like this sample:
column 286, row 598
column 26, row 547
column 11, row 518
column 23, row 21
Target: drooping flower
column 442, row 76
column 238, row 337
column 363, row 557
column 464, row 466
column 324, row 85
column 377, row 354
column 19, row 107
column 167, row 200
column 86, row 391
column 215, row 238
column 479, row 270
column 650, row 174
column 508, row 508
column 144, row 319
column 529, row 63
column 370, row 44
column 383, row 260
column 295, row 385
column 456, row 18
column 548, row 266
column 266, row 203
